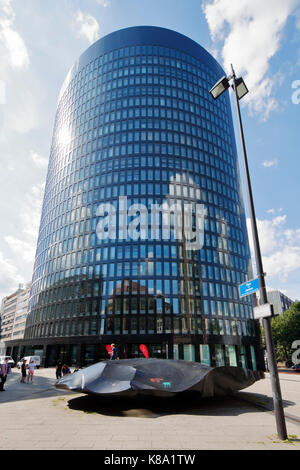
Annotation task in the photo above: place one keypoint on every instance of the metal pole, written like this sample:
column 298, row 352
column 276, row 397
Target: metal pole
column 277, row 399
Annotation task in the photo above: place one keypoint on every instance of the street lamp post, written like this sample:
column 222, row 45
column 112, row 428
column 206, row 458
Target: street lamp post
column 241, row 90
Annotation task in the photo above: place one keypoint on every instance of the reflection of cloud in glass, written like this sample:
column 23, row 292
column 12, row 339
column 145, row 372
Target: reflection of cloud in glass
column 185, row 215
column 64, row 136
column 66, row 83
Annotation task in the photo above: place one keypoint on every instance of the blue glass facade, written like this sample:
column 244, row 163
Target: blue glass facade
column 135, row 119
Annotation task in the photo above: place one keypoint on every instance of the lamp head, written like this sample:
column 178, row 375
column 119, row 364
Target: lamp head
column 219, row 87
column 241, row 88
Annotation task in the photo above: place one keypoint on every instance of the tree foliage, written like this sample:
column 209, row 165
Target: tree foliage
column 286, row 329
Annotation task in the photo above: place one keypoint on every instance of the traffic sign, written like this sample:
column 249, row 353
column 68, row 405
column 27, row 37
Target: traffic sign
column 249, row 287
column 263, row 311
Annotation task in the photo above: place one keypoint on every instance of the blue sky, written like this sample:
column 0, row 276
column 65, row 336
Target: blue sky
column 39, row 41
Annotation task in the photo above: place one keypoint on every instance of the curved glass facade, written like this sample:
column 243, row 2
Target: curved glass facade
column 135, row 124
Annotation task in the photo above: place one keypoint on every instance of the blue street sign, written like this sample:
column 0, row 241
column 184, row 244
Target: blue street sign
column 249, row 287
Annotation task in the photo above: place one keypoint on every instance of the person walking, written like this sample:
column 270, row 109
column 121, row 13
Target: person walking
column 3, row 374
column 30, row 367
column 23, row 371
column 58, row 369
column 113, row 352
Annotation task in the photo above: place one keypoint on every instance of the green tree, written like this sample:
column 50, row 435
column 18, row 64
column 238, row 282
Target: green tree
column 286, row 329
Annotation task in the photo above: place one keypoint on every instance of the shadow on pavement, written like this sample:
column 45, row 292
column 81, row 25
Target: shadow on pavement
column 154, row 407
column 260, row 399
column 42, row 387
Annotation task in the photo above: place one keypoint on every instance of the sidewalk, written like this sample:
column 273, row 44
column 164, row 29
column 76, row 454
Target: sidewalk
column 37, row 416
column 261, row 394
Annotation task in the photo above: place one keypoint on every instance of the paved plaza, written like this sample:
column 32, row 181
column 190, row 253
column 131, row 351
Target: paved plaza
column 37, row 416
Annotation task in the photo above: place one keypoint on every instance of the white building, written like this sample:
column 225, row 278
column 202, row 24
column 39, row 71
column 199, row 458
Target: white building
column 21, row 313
column 13, row 314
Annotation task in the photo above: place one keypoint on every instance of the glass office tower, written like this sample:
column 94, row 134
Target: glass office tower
column 137, row 127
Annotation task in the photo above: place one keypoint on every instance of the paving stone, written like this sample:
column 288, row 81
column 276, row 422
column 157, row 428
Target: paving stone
column 56, row 420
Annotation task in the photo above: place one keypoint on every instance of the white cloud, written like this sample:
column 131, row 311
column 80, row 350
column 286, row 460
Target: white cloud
column 89, row 26
column 280, row 248
column 39, row 161
column 25, row 250
column 292, row 235
column 2, row 92
column 12, row 43
column 282, row 262
column 22, row 112
column 10, row 276
column 19, row 87
column 104, row 3
column 279, row 220
column 31, row 212
column 249, row 35
column 23, row 242
column 269, row 163
column 267, row 235
column 297, row 16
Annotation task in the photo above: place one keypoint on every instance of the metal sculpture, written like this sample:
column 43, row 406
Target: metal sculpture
column 158, row 377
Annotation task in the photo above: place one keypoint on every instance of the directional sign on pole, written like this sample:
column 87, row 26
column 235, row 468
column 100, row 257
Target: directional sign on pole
column 249, row 287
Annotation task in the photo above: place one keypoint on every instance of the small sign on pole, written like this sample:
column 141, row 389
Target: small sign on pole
column 263, row 311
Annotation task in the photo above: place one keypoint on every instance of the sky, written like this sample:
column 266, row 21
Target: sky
column 39, row 42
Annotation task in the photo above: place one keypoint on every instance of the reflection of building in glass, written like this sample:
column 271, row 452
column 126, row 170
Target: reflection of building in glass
column 135, row 119
column 130, row 299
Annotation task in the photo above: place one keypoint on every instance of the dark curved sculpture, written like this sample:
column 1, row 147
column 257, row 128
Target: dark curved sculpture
column 157, row 377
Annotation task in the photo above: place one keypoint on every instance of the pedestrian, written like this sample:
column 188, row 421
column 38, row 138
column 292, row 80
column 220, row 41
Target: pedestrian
column 4, row 370
column 30, row 367
column 58, row 369
column 65, row 370
column 113, row 352
column 23, row 371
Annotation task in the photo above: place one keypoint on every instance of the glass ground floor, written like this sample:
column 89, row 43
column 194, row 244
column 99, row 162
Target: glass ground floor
column 83, row 351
